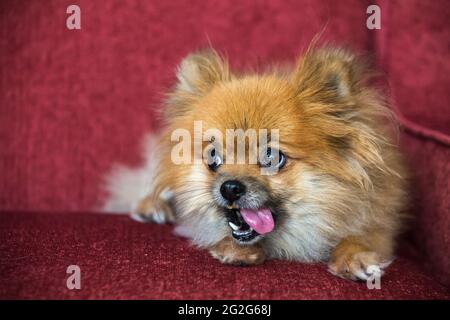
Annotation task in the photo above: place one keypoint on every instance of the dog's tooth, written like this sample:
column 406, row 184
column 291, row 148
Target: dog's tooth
column 233, row 226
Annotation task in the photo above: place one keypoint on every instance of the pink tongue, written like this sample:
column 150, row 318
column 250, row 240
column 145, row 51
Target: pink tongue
column 260, row 220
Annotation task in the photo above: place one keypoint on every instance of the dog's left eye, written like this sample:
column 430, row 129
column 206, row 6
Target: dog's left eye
column 269, row 157
column 214, row 160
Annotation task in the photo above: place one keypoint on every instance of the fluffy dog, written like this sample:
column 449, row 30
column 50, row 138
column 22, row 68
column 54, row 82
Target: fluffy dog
column 337, row 193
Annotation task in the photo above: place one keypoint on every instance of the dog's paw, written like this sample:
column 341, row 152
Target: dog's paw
column 239, row 258
column 153, row 210
column 358, row 266
column 229, row 253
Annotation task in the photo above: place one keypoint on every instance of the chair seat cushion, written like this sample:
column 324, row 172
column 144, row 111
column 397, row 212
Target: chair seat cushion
column 120, row 258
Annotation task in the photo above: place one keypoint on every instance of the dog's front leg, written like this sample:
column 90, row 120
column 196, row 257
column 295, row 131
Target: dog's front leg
column 153, row 209
column 361, row 257
column 229, row 252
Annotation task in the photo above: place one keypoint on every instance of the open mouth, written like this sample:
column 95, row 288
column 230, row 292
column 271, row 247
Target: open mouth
column 248, row 224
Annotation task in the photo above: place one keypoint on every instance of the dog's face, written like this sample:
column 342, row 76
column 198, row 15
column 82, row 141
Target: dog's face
column 234, row 193
column 252, row 109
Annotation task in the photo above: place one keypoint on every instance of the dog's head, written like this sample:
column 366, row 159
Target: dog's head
column 269, row 141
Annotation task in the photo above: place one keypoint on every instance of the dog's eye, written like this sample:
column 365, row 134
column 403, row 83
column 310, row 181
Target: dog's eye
column 214, row 160
column 270, row 156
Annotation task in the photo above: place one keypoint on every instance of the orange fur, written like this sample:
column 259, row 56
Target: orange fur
column 227, row 251
column 342, row 191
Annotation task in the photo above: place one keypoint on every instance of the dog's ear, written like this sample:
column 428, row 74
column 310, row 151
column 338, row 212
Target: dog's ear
column 200, row 71
column 328, row 75
column 336, row 102
column 196, row 75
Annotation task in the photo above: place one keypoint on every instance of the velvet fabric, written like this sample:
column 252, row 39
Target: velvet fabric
column 73, row 102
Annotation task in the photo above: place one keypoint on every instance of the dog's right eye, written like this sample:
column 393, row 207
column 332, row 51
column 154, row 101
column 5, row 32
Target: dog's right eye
column 214, row 160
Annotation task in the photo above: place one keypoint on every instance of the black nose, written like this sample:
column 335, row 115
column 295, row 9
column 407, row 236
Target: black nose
column 232, row 190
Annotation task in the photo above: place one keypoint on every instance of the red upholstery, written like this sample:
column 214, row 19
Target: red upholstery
column 120, row 258
column 414, row 51
column 415, row 55
column 74, row 102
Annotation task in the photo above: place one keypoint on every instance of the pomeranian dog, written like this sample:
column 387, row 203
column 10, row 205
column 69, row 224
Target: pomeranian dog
column 335, row 191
